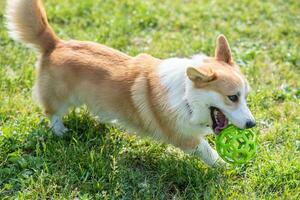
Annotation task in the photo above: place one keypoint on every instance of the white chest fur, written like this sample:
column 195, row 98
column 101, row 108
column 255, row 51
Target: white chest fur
column 192, row 117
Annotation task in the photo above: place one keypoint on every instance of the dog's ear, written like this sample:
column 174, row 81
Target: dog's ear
column 202, row 75
column 223, row 52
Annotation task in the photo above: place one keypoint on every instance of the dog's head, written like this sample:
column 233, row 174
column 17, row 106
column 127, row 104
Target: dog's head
column 220, row 87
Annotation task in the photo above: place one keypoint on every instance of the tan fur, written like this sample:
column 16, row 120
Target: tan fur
column 224, row 81
column 219, row 77
column 217, row 73
column 27, row 22
column 223, row 52
column 107, row 80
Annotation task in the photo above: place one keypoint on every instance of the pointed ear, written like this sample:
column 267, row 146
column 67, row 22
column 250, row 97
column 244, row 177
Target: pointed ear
column 201, row 74
column 223, row 52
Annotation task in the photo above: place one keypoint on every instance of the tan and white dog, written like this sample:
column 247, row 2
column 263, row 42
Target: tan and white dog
column 177, row 100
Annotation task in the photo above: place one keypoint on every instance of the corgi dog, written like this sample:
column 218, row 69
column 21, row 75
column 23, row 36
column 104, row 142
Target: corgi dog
column 176, row 100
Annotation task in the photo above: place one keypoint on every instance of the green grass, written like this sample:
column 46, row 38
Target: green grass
column 100, row 161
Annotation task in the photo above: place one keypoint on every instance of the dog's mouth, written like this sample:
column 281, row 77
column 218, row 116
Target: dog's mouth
column 219, row 120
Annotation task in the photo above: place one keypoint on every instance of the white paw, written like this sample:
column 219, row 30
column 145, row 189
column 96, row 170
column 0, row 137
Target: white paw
column 207, row 153
column 60, row 131
column 58, row 127
column 220, row 163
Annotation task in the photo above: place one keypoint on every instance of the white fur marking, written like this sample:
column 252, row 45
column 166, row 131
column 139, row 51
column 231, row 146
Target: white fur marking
column 206, row 153
column 172, row 73
column 58, row 126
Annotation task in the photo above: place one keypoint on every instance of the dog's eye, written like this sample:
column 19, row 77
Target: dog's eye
column 233, row 98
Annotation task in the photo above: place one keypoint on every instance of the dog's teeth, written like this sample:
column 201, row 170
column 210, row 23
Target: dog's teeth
column 216, row 116
column 216, row 113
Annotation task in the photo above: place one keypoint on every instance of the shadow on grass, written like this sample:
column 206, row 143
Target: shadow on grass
column 96, row 160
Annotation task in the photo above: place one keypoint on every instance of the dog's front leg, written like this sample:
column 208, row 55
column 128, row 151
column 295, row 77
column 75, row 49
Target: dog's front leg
column 208, row 154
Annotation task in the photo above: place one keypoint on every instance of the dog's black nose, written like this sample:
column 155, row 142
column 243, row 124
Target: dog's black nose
column 250, row 123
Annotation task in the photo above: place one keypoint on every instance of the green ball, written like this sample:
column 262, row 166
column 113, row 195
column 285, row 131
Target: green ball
column 236, row 146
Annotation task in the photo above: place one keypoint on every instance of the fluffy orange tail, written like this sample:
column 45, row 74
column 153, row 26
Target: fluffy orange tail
column 27, row 22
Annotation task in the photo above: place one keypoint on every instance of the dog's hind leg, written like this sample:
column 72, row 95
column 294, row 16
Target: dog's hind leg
column 55, row 117
column 57, row 124
column 54, row 106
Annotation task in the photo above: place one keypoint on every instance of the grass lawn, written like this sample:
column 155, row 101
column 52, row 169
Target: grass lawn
column 101, row 161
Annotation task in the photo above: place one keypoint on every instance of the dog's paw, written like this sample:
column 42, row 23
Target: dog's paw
column 220, row 163
column 59, row 129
